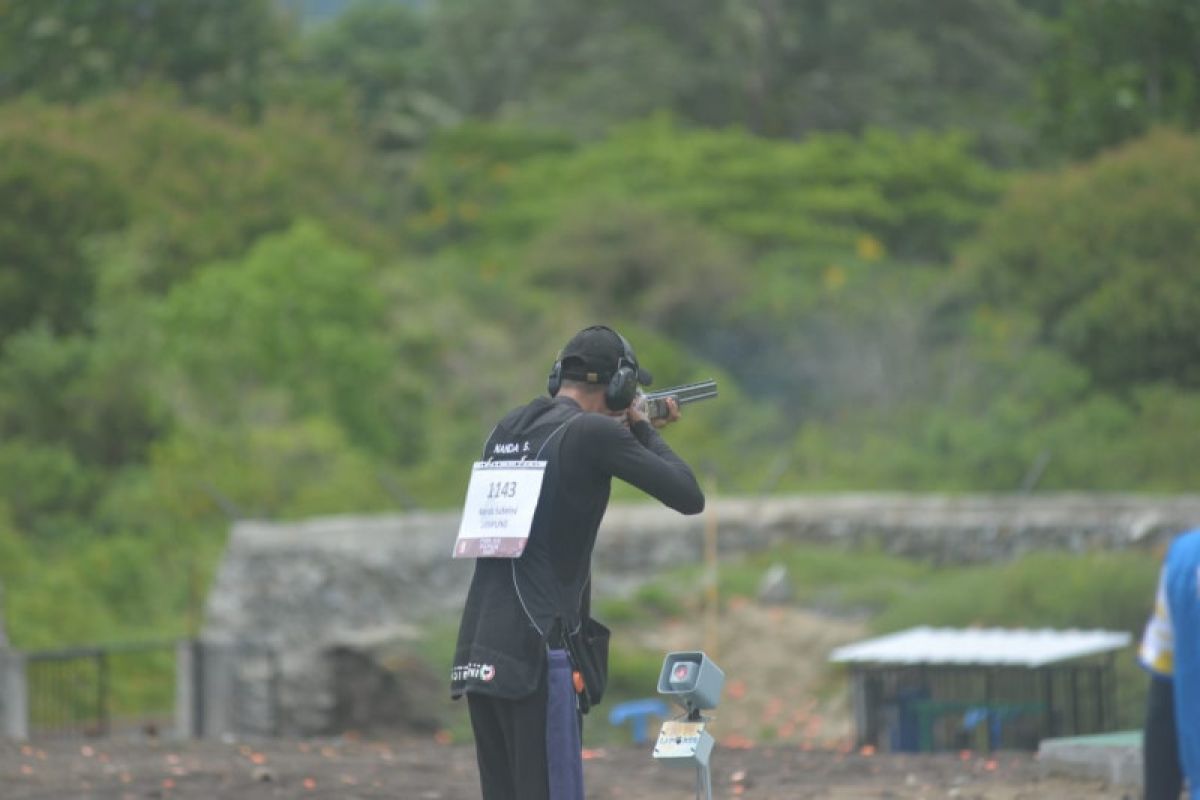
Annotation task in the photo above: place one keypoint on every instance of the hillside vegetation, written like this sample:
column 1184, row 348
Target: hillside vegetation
column 251, row 268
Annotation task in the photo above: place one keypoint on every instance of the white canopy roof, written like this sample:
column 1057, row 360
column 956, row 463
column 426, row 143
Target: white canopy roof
column 983, row 646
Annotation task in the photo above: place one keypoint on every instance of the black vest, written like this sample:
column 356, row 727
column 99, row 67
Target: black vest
column 517, row 608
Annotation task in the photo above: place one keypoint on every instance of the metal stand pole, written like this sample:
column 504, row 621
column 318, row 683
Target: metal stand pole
column 703, row 782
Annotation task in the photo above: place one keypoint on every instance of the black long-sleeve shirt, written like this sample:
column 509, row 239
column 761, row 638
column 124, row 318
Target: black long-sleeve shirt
column 514, row 604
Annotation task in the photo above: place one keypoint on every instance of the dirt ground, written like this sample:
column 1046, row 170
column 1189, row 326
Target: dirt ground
column 783, row 732
column 428, row 770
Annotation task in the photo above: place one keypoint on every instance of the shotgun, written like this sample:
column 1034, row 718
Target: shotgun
column 656, row 402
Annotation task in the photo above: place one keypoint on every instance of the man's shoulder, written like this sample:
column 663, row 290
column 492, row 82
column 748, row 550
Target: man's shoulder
column 534, row 405
column 534, row 410
column 537, row 417
column 592, row 427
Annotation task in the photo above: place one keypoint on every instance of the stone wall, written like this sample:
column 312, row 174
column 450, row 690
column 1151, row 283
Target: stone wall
column 314, row 588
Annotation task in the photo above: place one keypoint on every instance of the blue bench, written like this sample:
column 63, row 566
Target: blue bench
column 638, row 712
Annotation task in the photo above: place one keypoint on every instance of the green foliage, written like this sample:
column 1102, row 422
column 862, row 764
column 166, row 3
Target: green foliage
column 89, row 396
column 197, row 187
column 838, row 581
column 632, row 671
column 1008, row 416
column 268, row 470
column 465, row 170
column 51, row 204
column 216, row 52
column 43, row 486
column 36, row 369
column 917, row 194
column 16, row 560
column 1117, row 68
column 299, row 323
column 373, row 48
column 637, row 263
column 780, row 69
column 321, row 300
column 1105, row 257
column 1113, row 591
column 696, row 234
column 104, row 592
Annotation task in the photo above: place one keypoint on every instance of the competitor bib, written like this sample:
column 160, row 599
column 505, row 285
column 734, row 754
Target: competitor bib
column 498, row 512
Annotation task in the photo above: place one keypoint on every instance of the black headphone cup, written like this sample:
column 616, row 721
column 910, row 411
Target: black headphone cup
column 554, row 380
column 622, row 388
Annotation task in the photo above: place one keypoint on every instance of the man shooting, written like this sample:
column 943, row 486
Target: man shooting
column 529, row 657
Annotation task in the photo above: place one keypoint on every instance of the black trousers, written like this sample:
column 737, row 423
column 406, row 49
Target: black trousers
column 1161, row 770
column 529, row 749
column 510, row 745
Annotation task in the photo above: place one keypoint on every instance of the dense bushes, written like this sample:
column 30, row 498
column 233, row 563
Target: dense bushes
column 223, row 295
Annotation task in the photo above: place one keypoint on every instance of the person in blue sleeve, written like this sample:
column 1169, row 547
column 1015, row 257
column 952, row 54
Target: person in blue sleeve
column 1170, row 651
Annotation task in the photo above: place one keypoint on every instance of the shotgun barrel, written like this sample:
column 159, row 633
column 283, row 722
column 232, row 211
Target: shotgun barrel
column 656, row 402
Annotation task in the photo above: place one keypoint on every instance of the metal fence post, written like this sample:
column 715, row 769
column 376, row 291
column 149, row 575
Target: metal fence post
column 14, row 695
column 276, row 700
column 102, row 704
column 187, row 721
column 217, row 685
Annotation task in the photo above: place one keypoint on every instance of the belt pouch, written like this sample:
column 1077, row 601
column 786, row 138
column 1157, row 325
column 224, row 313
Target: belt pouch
column 587, row 648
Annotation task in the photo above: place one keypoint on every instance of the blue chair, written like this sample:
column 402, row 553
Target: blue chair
column 638, row 712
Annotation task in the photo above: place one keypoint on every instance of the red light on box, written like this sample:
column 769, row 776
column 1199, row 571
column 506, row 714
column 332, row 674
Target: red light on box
column 683, row 672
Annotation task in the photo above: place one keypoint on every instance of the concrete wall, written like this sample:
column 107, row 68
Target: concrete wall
column 309, row 587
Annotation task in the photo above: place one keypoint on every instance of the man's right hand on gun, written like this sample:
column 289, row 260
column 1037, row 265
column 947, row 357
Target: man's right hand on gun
column 637, row 412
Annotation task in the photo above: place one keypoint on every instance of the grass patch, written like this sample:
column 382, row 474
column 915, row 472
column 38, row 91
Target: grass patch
column 1114, row 591
column 839, row 581
column 439, row 635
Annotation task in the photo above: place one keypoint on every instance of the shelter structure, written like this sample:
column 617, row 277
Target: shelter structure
column 927, row 689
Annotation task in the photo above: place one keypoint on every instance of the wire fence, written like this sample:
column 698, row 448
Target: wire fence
column 95, row 691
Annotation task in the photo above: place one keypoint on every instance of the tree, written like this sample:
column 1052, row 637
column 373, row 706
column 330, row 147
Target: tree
column 375, row 52
column 216, row 52
column 916, row 195
column 780, row 69
column 297, row 328
column 188, row 186
column 1105, row 257
column 1117, row 68
column 746, row 247
column 849, row 65
column 624, row 261
column 373, row 47
column 52, row 205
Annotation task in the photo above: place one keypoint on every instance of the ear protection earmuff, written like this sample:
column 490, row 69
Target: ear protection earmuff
column 554, row 381
column 622, row 385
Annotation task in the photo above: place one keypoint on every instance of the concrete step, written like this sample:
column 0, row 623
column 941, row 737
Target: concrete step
column 1113, row 757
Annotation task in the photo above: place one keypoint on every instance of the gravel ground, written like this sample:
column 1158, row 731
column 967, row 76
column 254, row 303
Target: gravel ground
column 429, row 769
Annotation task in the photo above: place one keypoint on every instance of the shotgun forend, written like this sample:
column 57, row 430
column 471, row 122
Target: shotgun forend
column 656, row 402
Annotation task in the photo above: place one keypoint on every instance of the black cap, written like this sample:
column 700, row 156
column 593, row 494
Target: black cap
column 594, row 354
